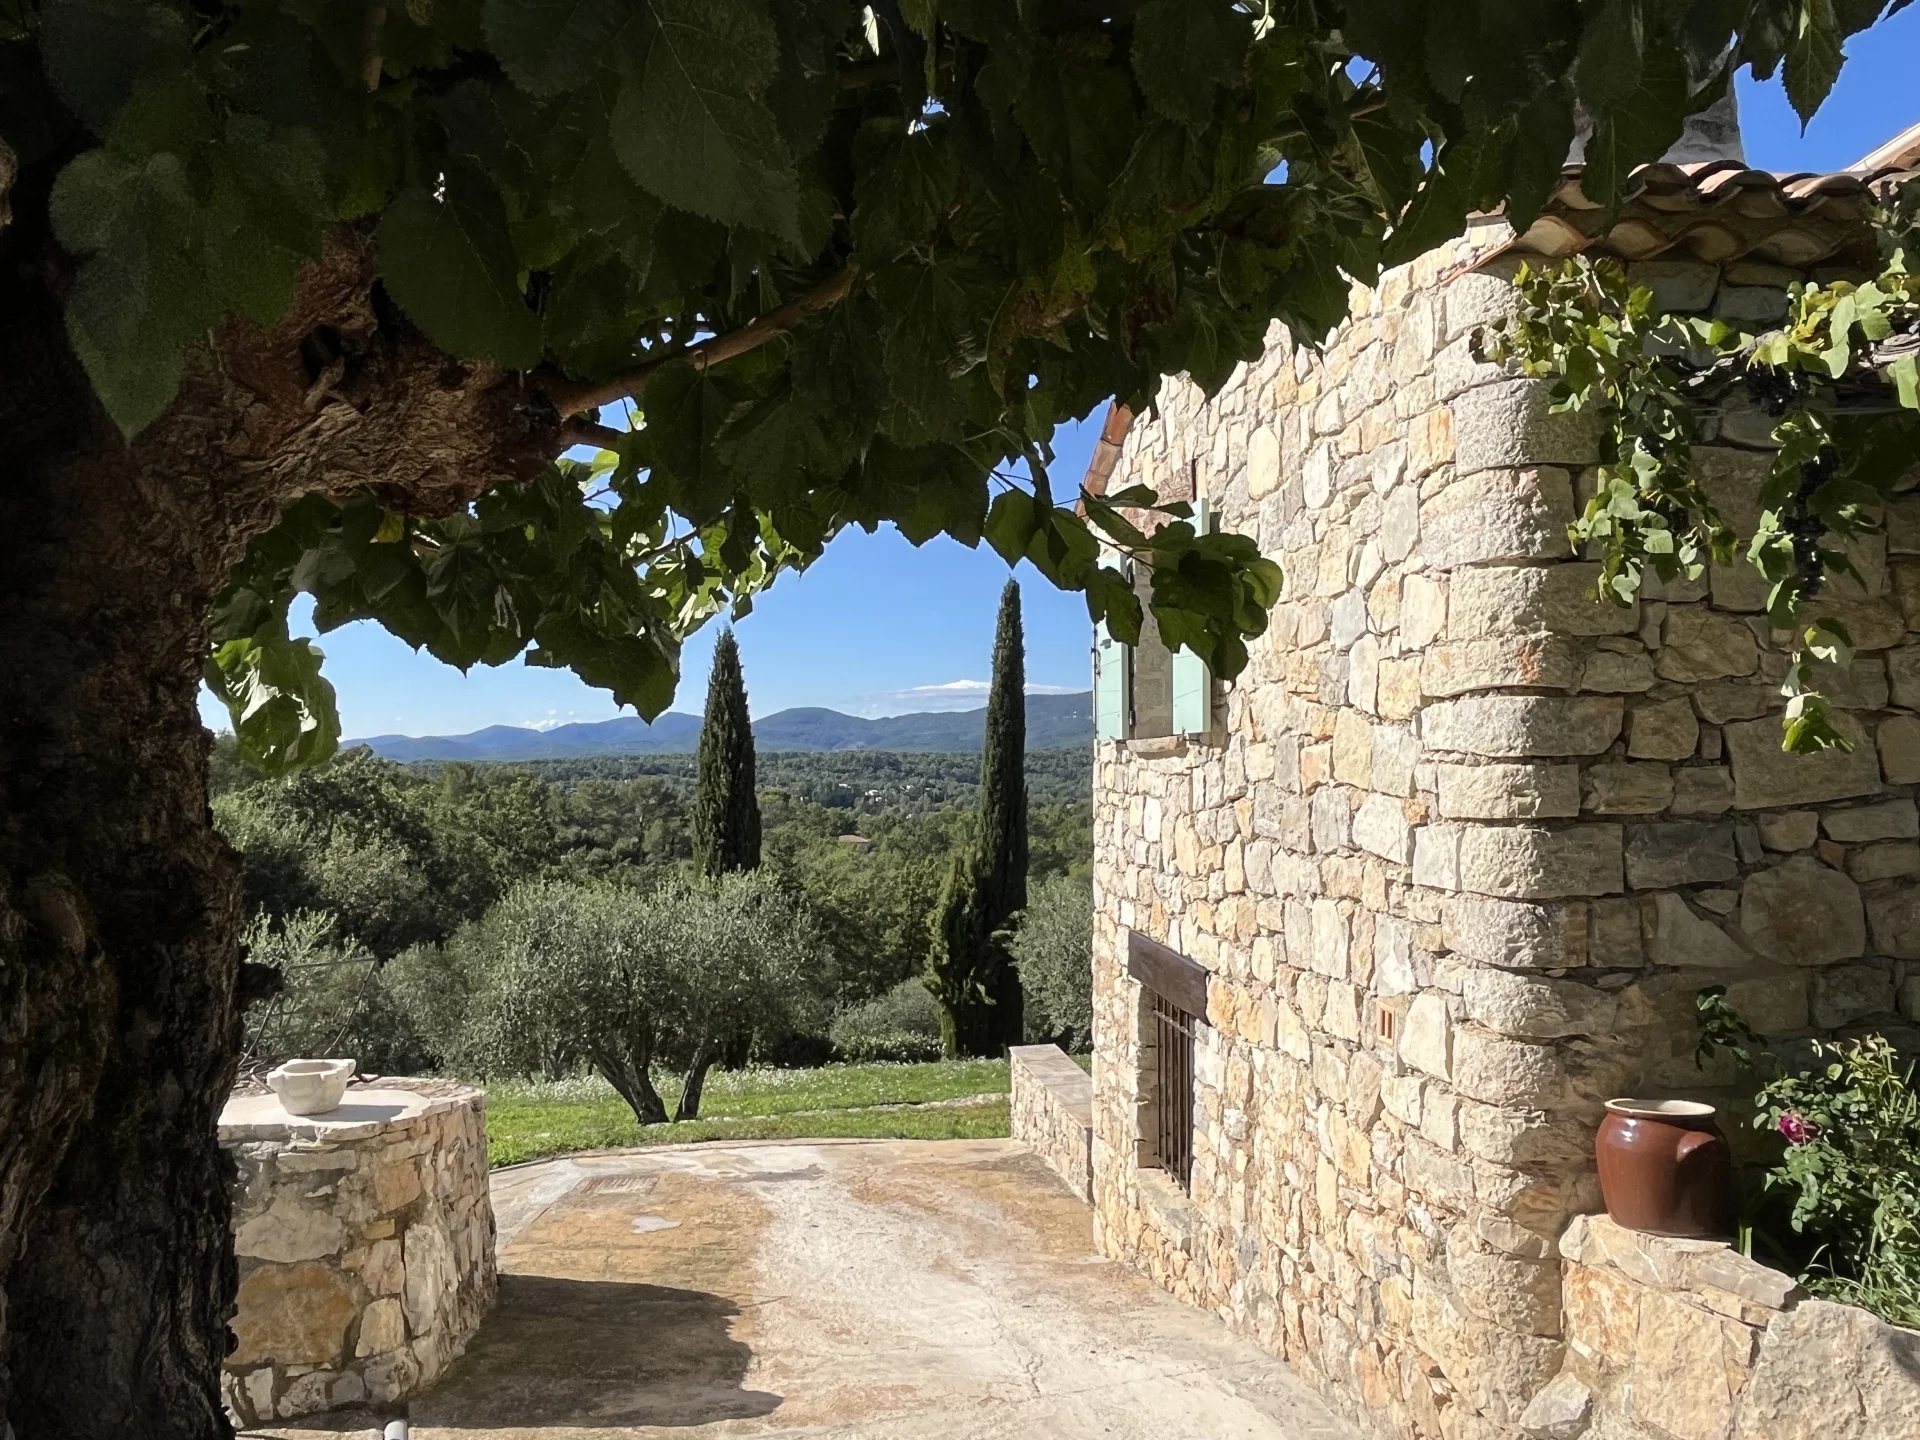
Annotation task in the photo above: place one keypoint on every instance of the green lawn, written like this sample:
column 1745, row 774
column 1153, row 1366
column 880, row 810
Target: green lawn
column 532, row 1121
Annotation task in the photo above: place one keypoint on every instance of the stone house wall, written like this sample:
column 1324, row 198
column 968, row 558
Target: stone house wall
column 1051, row 1109
column 1462, row 848
column 365, row 1241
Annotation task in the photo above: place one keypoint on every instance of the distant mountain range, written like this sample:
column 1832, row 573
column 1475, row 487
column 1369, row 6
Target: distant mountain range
column 1053, row 722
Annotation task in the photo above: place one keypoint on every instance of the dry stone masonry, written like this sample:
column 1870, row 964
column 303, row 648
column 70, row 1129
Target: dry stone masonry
column 365, row 1239
column 1460, row 851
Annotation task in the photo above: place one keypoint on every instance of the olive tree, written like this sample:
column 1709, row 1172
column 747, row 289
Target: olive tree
column 747, row 961
column 630, row 981
column 554, row 983
column 307, row 297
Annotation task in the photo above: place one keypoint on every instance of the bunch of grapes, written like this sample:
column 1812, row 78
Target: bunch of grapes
column 1804, row 527
column 1769, row 389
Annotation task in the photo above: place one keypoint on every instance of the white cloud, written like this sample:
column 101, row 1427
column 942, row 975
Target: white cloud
column 948, row 695
column 549, row 720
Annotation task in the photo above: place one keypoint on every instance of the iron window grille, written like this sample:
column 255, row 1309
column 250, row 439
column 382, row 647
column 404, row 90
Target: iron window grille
column 1175, row 989
column 1173, row 1031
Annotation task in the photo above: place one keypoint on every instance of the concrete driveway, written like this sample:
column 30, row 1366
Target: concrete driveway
column 873, row 1290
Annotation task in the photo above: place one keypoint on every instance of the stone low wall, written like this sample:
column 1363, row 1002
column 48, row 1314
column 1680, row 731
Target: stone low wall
column 1053, row 1112
column 365, row 1240
column 1690, row 1340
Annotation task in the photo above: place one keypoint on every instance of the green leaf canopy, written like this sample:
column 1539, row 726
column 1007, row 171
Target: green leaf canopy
column 853, row 265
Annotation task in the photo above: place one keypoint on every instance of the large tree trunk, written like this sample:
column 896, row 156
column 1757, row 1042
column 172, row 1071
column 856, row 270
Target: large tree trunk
column 119, row 903
column 118, row 1022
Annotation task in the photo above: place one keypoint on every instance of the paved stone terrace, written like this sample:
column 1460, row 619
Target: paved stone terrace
column 858, row 1290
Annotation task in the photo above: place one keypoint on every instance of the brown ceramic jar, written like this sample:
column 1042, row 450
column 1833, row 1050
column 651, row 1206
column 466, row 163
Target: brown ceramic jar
column 1665, row 1167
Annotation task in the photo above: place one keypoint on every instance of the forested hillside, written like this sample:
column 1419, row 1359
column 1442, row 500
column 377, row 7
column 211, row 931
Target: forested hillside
column 388, row 893
column 1053, row 722
column 865, row 782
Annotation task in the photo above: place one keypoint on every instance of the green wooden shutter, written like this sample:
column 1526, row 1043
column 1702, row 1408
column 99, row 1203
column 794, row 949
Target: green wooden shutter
column 1110, row 698
column 1192, row 683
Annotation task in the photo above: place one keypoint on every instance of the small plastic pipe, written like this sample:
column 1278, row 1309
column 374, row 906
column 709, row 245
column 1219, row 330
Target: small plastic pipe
column 396, row 1430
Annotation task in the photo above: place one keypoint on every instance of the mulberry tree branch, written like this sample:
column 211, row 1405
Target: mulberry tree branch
column 575, row 399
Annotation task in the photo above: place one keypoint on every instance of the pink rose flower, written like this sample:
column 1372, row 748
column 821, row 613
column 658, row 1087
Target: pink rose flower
column 1797, row 1129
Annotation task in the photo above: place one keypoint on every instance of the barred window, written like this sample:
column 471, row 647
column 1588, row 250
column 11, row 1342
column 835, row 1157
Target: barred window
column 1174, row 995
column 1173, row 1090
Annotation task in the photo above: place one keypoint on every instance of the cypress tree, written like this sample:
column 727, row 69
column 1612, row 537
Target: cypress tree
column 972, row 973
column 726, row 811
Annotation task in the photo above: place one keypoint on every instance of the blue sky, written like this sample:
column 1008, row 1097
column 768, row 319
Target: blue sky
column 874, row 627
column 878, row 627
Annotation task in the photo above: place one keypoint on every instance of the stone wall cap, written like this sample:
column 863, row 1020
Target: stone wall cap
column 1054, row 1071
column 1681, row 1266
column 367, row 1110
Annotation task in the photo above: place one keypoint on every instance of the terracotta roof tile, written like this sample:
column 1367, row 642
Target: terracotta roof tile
column 1718, row 211
column 1106, row 450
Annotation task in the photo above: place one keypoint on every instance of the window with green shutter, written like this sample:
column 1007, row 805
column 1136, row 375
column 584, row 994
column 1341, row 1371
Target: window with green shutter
column 1144, row 691
column 1112, row 701
column 1192, row 681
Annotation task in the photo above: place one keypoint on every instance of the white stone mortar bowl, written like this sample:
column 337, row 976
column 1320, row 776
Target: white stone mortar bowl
column 311, row 1087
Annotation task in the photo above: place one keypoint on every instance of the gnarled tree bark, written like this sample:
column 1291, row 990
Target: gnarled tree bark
column 120, row 1003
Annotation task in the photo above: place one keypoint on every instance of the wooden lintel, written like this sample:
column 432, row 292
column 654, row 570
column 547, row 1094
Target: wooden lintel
column 1168, row 973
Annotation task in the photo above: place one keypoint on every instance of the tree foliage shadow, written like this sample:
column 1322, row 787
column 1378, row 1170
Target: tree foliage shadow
column 566, row 1353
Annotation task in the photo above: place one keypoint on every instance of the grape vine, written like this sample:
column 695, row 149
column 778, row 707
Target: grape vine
column 1839, row 378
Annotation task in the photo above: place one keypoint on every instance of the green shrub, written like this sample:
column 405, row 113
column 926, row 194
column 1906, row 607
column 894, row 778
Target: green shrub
column 1852, row 1167
column 1054, row 948
column 544, row 981
column 902, row 1024
column 1849, row 1125
column 349, row 839
column 427, row 991
column 328, row 1000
